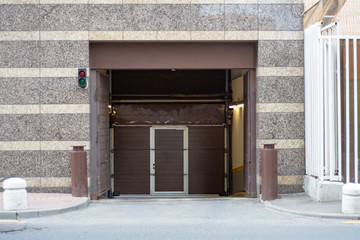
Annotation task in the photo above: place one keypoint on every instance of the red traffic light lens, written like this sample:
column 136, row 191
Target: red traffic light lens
column 81, row 73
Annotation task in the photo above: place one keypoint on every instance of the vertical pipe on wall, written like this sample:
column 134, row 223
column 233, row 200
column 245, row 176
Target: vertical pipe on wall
column 347, row 107
column 355, row 112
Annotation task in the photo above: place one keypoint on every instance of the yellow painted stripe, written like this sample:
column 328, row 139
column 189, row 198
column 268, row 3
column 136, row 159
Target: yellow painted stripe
column 351, row 222
column 11, row 221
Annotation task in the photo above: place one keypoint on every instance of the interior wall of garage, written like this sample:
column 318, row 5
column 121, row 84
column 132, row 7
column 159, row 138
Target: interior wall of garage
column 237, row 136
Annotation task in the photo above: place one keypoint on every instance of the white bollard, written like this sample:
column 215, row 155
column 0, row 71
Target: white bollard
column 15, row 195
column 351, row 198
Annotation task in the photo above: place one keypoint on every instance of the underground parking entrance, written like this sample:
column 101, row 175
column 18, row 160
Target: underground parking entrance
column 172, row 119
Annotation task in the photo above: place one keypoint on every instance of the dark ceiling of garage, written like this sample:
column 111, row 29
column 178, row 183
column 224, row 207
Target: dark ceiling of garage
column 157, row 82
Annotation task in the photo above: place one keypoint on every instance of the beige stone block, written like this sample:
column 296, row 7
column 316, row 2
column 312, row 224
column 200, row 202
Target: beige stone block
column 291, row 180
column 174, row 35
column 19, row 145
column 60, row 72
column 173, row 1
column 287, row 180
column 64, row 35
column 207, row 1
column 19, row 35
column 64, row 1
column 19, row 109
column 106, row 35
column 280, row 71
column 207, row 35
column 241, row 1
column 63, row 145
column 139, row 1
column 279, row 107
column 19, row 2
column 64, row 108
column 281, row 143
column 280, row 1
column 281, row 35
column 105, row 1
column 19, row 72
column 55, row 182
column 33, row 181
column 140, row 35
column 241, row 35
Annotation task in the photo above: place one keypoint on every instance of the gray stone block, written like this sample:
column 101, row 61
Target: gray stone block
column 281, row 17
column 281, row 53
column 65, row 127
column 19, row 54
column 282, row 189
column 140, row 17
column 208, row 17
column 173, row 17
column 280, row 125
column 19, row 91
column 19, row 17
column 55, row 163
column 241, row 17
column 20, row 127
column 280, row 90
column 106, row 17
column 64, row 54
column 62, row 91
column 64, row 17
column 20, row 163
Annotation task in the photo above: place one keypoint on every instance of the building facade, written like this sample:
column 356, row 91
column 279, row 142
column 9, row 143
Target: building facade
column 43, row 111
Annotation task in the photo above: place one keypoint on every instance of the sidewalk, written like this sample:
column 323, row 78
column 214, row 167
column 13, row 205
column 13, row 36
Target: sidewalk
column 45, row 204
column 302, row 204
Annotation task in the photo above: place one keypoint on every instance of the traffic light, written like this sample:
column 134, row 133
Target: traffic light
column 82, row 81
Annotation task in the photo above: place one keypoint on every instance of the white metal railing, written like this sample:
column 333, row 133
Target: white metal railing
column 329, row 73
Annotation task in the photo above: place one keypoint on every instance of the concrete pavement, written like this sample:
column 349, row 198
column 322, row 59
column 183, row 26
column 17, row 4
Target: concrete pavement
column 45, row 204
column 302, row 204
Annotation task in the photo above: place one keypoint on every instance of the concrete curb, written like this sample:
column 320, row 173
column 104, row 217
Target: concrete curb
column 268, row 204
column 84, row 203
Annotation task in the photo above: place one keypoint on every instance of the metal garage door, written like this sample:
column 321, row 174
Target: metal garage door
column 206, row 160
column 132, row 160
column 169, row 160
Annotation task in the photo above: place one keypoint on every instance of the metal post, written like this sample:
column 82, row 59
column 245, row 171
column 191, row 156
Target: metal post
column 79, row 185
column 269, row 188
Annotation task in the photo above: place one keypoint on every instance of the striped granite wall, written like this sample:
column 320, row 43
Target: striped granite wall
column 43, row 42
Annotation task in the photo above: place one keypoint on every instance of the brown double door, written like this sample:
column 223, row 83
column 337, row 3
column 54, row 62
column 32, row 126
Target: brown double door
column 169, row 160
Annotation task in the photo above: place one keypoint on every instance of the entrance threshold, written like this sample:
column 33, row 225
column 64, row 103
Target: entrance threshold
column 165, row 196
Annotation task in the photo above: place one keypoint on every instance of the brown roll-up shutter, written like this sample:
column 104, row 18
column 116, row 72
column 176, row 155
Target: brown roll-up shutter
column 132, row 160
column 206, row 160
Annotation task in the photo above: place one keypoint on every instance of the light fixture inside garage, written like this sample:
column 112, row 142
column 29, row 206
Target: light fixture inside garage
column 236, row 104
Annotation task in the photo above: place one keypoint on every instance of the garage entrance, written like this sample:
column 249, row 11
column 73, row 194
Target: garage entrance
column 171, row 117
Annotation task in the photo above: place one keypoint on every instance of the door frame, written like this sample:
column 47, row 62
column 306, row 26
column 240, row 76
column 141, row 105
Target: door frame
column 185, row 158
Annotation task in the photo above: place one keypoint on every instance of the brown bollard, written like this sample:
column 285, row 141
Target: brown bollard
column 269, row 188
column 79, row 185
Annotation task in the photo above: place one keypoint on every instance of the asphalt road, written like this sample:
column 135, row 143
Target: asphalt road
column 174, row 219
